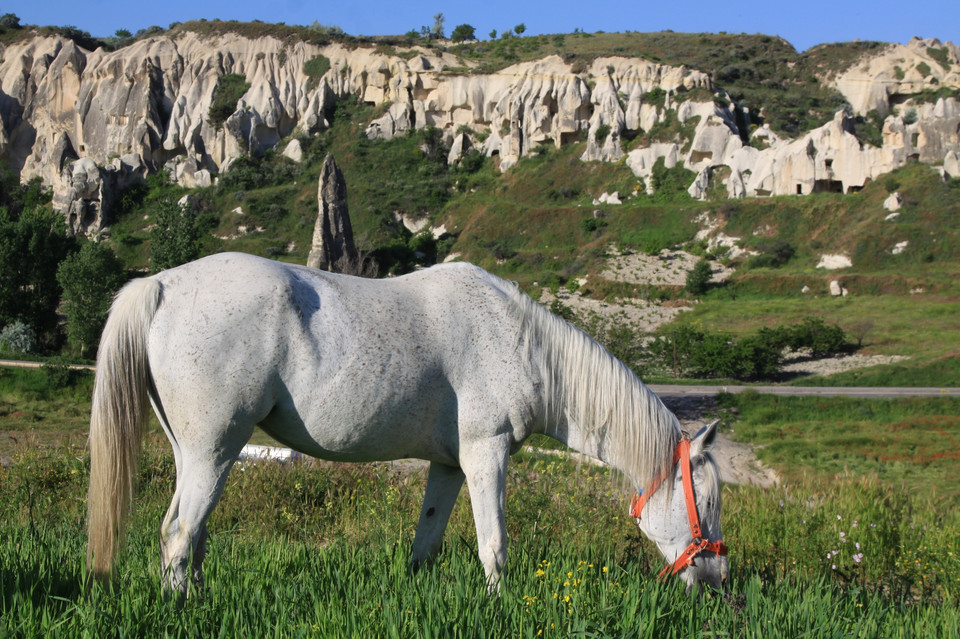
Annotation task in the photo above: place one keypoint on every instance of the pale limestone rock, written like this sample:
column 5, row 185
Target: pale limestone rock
column 891, row 217
column 877, row 80
column 893, row 202
column 698, row 190
column 716, row 137
column 294, row 151
column 608, row 198
column 461, row 144
column 150, row 101
column 411, row 223
column 951, row 164
column 834, row 262
column 641, row 161
column 837, row 289
column 900, row 247
column 333, row 248
column 85, row 191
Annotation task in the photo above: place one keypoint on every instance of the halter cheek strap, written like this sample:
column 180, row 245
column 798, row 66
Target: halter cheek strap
column 681, row 455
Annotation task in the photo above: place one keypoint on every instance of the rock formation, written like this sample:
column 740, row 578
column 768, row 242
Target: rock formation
column 145, row 107
column 886, row 79
column 333, row 248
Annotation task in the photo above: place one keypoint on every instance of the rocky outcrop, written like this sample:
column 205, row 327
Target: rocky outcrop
column 885, row 80
column 333, row 248
column 145, row 107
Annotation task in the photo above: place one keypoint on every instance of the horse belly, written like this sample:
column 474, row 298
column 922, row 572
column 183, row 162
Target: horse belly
column 369, row 417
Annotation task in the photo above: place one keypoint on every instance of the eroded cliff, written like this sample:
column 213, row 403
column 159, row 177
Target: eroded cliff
column 90, row 122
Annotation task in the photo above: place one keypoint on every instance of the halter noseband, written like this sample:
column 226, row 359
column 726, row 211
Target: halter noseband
column 682, row 456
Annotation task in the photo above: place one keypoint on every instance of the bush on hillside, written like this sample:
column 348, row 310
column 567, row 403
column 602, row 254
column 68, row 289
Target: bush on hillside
column 230, row 88
column 698, row 278
column 690, row 352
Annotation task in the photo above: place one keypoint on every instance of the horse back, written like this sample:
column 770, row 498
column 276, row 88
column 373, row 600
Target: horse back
column 334, row 363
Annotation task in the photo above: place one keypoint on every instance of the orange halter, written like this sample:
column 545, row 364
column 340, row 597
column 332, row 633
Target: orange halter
column 682, row 456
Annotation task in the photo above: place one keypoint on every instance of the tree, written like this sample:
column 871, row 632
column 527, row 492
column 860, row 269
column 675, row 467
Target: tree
column 698, row 279
column 10, row 21
column 463, row 32
column 520, row 28
column 32, row 245
column 175, row 238
column 493, row 34
column 437, row 32
column 122, row 34
column 89, row 279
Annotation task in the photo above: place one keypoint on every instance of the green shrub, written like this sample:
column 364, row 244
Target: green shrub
column 230, row 88
column 463, row 32
column 175, row 238
column 17, row 337
column 58, row 372
column 698, row 278
column 601, row 133
column 941, row 55
column 249, row 173
column 671, row 184
column 592, row 224
column 773, row 254
column 688, row 352
column 655, row 96
column 813, row 333
column 315, row 68
column 89, row 279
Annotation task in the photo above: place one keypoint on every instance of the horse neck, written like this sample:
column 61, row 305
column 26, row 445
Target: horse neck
column 595, row 404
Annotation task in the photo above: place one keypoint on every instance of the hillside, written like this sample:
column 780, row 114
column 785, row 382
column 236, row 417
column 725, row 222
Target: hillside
column 730, row 147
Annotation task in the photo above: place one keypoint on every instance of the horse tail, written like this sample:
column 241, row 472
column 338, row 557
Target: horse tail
column 120, row 403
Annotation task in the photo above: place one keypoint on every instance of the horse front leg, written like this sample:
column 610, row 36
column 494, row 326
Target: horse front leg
column 485, row 466
column 443, row 486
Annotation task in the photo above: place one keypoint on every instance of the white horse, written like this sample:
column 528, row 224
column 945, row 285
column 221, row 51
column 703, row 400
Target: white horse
column 450, row 364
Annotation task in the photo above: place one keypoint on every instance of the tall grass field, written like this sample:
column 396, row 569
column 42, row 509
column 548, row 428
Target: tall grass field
column 318, row 549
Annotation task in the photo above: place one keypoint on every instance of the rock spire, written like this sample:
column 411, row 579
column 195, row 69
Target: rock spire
column 333, row 248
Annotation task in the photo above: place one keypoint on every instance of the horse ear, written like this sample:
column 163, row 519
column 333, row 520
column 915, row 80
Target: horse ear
column 703, row 440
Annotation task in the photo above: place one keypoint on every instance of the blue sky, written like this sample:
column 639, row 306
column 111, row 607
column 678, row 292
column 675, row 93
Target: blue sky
column 802, row 23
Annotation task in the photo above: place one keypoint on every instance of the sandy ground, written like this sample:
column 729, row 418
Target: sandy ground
column 667, row 268
column 737, row 462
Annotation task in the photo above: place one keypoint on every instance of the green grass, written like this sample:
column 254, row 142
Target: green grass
column 864, row 526
column 323, row 550
column 34, row 410
column 911, row 443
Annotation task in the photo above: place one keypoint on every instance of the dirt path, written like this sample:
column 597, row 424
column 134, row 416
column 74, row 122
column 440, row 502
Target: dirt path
column 737, row 462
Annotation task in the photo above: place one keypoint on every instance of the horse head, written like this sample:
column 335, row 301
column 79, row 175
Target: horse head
column 681, row 514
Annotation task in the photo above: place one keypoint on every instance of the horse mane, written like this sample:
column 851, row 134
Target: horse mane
column 600, row 395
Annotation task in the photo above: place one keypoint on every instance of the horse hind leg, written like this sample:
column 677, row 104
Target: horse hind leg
column 183, row 534
column 443, row 486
